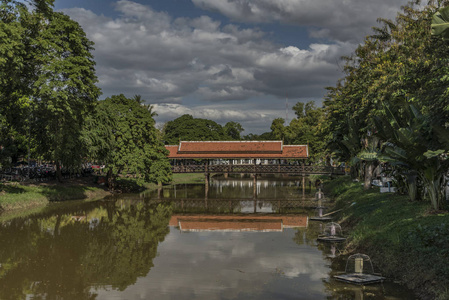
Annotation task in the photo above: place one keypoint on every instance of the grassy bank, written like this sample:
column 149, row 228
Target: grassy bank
column 15, row 195
column 406, row 241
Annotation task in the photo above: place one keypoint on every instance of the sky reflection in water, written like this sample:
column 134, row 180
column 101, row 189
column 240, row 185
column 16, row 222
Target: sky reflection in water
column 231, row 265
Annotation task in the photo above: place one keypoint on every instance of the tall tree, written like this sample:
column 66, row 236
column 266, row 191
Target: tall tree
column 48, row 78
column 122, row 135
column 64, row 91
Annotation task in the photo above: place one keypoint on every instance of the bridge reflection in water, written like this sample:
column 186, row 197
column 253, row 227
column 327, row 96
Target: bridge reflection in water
column 242, row 195
column 265, row 223
column 240, row 204
column 243, row 205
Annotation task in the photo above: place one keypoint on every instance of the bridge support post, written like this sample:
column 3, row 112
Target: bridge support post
column 206, row 179
column 303, row 185
column 254, row 186
column 206, row 188
column 206, row 184
column 255, row 192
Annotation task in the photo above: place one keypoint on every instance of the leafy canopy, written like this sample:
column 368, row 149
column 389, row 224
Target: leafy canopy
column 122, row 135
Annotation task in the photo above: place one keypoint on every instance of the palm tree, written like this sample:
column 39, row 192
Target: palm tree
column 150, row 107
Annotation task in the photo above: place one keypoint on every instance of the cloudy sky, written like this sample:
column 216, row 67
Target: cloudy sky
column 224, row 60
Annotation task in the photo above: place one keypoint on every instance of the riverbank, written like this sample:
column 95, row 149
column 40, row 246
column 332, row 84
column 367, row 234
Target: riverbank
column 27, row 195
column 406, row 240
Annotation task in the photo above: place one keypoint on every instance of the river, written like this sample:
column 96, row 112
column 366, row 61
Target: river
column 182, row 242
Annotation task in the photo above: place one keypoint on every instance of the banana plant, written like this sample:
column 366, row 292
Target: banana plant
column 410, row 140
column 440, row 23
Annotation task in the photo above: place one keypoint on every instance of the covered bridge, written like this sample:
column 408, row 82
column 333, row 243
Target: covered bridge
column 253, row 157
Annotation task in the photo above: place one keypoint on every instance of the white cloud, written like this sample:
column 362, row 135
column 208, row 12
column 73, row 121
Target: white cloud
column 150, row 53
column 339, row 20
column 213, row 69
column 171, row 111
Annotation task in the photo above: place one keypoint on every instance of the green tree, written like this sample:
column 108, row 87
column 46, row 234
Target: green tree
column 121, row 134
column 48, row 79
column 278, row 129
column 233, row 130
column 65, row 90
column 188, row 128
column 298, row 108
column 400, row 65
column 306, row 129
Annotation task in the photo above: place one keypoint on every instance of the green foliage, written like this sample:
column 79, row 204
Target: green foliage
column 121, row 134
column 305, row 130
column 395, row 88
column 298, row 108
column 409, row 137
column 17, row 69
column 440, row 23
column 278, row 129
column 65, row 92
column 266, row 136
column 233, row 130
column 47, row 79
column 188, row 128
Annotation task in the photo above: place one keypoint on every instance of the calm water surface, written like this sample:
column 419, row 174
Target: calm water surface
column 183, row 242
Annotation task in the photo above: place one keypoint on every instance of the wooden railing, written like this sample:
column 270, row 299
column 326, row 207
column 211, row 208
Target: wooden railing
column 259, row 169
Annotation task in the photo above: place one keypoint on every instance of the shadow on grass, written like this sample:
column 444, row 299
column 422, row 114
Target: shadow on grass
column 128, row 185
column 60, row 193
column 11, row 189
column 83, row 191
column 74, row 190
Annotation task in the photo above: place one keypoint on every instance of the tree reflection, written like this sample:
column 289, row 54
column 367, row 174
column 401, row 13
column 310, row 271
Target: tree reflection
column 67, row 255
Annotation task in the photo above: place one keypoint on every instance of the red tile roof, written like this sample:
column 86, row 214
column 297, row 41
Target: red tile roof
column 237, row 149
column 231, row 147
